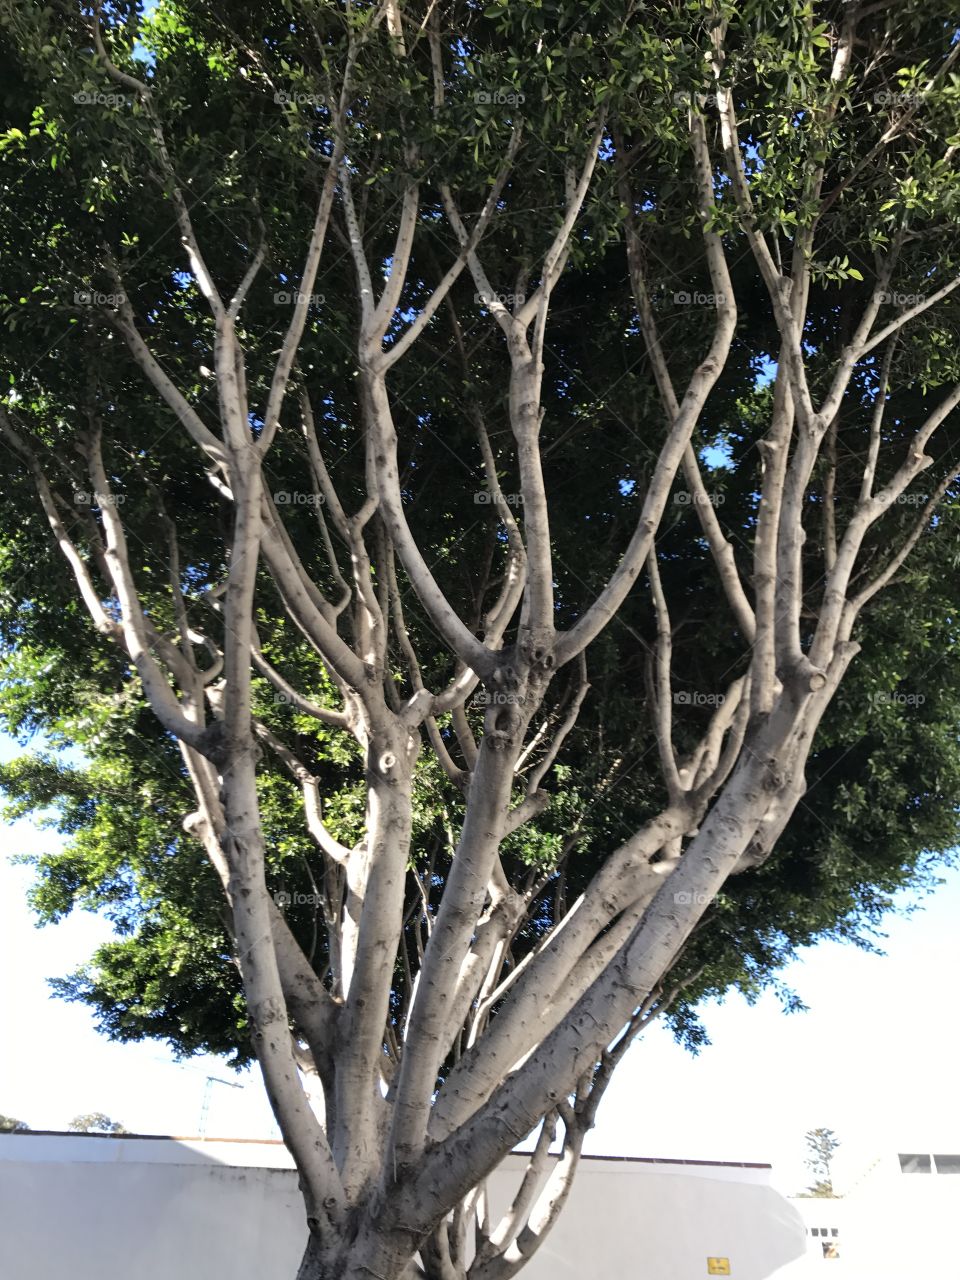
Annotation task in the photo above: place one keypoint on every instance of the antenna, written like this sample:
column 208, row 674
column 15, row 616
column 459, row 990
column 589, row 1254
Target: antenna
column 207, row 1090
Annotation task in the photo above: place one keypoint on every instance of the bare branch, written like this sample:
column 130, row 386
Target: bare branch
column 599, row 614
column 101, row 620
column 544, row 766
column 311, row 794
column 197, row 263
column 429, row 309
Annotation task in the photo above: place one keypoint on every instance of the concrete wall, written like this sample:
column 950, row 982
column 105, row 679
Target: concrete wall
column 151, row 1209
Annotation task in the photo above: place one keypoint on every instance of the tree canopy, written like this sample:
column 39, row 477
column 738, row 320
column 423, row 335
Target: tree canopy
column 880, row 806
column 95, row 1122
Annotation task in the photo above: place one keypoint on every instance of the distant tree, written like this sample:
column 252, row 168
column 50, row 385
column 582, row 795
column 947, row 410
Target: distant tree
column 9, row 1125
column 95, row 1122
column 821, row 1144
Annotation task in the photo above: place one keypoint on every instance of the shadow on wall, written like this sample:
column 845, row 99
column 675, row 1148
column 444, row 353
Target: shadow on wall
column 670, row 1221
column 149, row 1208
column 193, row 1208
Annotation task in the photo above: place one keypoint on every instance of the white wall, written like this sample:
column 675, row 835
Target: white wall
column 891, row 1226
column 829, row 1213
column 140, row 1209
column 903, row 1225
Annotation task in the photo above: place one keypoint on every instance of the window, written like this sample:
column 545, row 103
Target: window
column 834, row 1231
column 947, row 1164
column 814, row 1231
column 914, row 1164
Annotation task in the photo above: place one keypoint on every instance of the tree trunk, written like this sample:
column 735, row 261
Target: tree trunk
column 367, row 1257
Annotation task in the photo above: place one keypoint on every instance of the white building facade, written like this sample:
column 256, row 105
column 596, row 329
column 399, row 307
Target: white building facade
column 119, row 1208
column 897, row 1219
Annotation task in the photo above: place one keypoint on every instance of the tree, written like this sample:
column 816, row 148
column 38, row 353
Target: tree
column 371, row 522
column 821, row 1144
column 95, row 1122
column 9, row 1125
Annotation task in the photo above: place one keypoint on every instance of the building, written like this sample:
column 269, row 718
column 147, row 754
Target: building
column 117, row 1207
column 897, row 1219
column 828, row 1235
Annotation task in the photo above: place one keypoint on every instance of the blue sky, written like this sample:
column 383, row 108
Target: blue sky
column 874, row 1058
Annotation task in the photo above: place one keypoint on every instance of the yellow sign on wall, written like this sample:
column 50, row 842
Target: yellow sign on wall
column 718, row 1266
